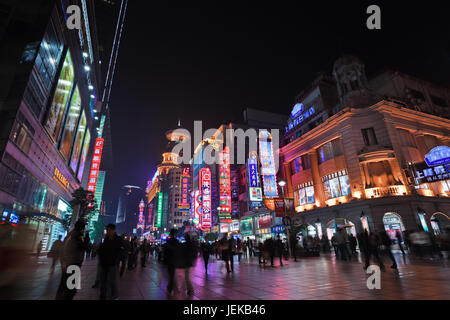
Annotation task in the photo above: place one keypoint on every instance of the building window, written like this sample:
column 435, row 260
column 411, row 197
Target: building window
column 300, row 164
column 22, row 133
column 330, row 150
column 370, row 139
column 336, row 185
column 71, row 124
column 304, row 194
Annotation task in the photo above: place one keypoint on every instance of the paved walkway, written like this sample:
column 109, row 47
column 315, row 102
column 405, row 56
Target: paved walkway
column 320, row 278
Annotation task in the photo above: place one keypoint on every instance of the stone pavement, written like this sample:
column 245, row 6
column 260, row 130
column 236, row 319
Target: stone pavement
column 319, row 278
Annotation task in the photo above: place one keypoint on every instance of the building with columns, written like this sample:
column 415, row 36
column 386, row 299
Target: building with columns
column 369, row 154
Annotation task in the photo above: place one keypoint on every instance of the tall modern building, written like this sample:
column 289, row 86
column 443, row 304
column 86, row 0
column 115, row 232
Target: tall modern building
column 128, row 209
column 369, row 153
column 49, row 89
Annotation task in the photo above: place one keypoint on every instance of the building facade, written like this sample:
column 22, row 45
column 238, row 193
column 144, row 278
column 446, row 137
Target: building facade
column 369, row 154
column 48, row 100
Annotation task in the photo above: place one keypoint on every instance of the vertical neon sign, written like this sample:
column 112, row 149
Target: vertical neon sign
column 267, row 164
column 141, row 222
column 159, row 212
column 205, row 183
column 224, row 185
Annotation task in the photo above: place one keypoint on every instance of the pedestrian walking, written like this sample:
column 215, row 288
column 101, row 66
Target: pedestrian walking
column 109, row 254
column 189, row 252
column 239, row 249
column 206, row 252
column 294, row 242
column 39, row 248
column 124, row 254
column 270, row 248
column 72, row 255
column 170, row 251
column 87, row 239
column 225, row 247
column 280, row 249
column 398, row 236
column 144, row 252
column 387, row 243
column 353, row 243
column 373, row 242
column 55, row 252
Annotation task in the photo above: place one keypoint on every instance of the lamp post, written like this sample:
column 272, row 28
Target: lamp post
column 282, row 183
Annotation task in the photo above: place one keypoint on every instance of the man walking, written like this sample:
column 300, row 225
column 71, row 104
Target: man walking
column 280, row 249
column 170, row 251
column 72, row 255
column 109, row 254
column 55, row 252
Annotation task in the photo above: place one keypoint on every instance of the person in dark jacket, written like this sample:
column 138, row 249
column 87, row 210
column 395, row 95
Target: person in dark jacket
column 270, row 247
column 387, row 243
column 132, row 256
column 189, row 252
column 125, row 254
column 280, row 249
column 55, row 252
column 372, row 242
column 144, row 249
column 109, row 253
column 72, row 255
column 170, row 251
column 206, row 252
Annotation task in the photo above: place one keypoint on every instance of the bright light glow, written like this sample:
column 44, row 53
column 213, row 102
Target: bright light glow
column 85, row 54
column 91, row 87
column 92, row 96
column 96, row 118
column 87, row 68
column 282, row 183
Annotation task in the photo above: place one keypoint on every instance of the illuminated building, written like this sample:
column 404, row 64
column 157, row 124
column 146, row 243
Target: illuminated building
column 49, row 84
column 357, row 158
column 169, row 190
column 128, row 210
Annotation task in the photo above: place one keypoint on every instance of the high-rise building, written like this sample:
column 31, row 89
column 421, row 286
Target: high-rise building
column 49, row 88
column 128, row 209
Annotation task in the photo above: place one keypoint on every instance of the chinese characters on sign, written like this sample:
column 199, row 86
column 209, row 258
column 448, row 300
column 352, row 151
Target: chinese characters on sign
column 225, row 186
column 95, row 166
column 159, row 211
column 267, row 164
column 141, row 216
column 184, row 192
column 205, row 184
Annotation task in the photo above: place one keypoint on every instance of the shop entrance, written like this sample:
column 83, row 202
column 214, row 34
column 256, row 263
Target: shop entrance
column 440, row 223
column 393, row 224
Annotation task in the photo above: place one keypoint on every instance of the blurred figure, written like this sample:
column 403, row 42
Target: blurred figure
column 342, row 240
column 206, row 252
column 353, row 243
column 398, row 236
column 39, row 248
column 387, row 243
column 87, row 239
column 227, row 254
column 421, row 242
column 270, row 248
column 261, row 256
column 109, row 254
column 334, row 243
column 144, row 249
column 170, row 251
column 372, row 249
column 294, row 246
column 280, row 249
column 239, row 249
column 72, row 254
column 55, row 252
column 124, row 254
column 189, row 252
column 132, row 255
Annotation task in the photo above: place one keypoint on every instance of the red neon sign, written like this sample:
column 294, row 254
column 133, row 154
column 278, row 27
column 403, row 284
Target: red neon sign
column 205, row 184
column 95, row 167
column 141, row 216
column 225, row 185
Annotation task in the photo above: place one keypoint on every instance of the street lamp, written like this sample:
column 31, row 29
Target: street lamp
column 282, row 183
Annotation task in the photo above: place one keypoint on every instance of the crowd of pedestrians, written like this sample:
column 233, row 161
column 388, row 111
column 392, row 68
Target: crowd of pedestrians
column 118, row 254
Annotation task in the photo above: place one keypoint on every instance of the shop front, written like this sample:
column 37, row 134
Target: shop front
column 264, row 227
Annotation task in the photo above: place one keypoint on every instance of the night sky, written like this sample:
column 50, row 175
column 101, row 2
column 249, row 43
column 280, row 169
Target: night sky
column 208, row 60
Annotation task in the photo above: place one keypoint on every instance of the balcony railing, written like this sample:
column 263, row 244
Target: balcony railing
column 386, row 191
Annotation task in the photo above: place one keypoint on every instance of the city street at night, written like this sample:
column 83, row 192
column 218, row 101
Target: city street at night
column 223, row 156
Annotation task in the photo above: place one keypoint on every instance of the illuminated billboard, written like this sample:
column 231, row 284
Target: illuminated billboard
column 95, row 165
column 141, row 222
column 205, row 184
column 267, row 164
column 159, row 211
column 197, row 207
column 224, row 186
column 184, row 192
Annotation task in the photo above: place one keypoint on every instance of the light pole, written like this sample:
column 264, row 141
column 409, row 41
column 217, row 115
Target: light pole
column 282, row 183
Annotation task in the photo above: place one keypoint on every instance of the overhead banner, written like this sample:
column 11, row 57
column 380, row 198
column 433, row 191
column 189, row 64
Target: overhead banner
column 224, row 186
column 205, row 184
column 268, row 171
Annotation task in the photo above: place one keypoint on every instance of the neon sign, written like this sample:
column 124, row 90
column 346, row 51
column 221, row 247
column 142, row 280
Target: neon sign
column 95, row 165
column 299, row 119
column 184, row 192
column 150, row 212
column 224, row 185
column 267, row 164
column 141, row 216
column 437, row 156
column 197, row 208
column 61, row 180
column 205, row 183
column 159, row 211
column 298, row 108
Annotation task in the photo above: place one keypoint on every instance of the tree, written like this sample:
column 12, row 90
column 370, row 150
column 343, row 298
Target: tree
column 86, row 202
column 97, row 232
